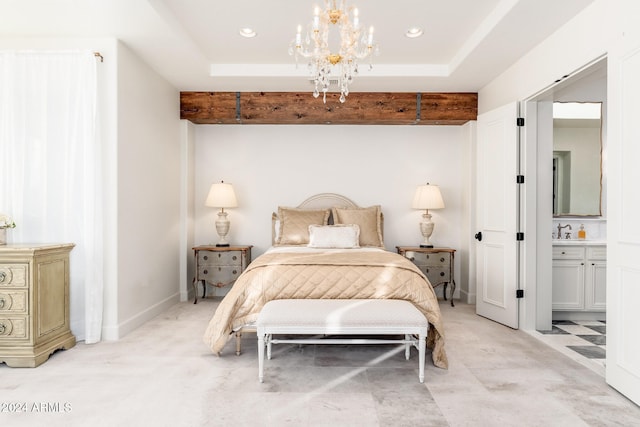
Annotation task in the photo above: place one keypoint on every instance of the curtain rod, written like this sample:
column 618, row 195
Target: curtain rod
column 98, row 55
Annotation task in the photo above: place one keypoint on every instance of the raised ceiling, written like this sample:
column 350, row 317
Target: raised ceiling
column 195, row 44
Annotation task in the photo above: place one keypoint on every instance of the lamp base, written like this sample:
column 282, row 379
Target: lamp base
column 222, row 245
column 426, row 246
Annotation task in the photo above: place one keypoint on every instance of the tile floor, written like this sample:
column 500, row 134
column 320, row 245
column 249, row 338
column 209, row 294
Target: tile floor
column 583, row 340
column 163, row 375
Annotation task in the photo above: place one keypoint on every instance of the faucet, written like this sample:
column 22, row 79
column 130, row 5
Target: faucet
column 560, row 227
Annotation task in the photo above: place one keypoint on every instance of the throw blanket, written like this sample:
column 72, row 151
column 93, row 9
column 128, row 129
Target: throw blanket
column 332, row 274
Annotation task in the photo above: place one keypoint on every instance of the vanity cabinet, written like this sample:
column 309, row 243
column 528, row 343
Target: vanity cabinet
column 579, row 278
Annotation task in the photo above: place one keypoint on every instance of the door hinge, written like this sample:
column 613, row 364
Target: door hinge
column 519, row 236
column 520, row 121
column 519, row 293
column 519, row 179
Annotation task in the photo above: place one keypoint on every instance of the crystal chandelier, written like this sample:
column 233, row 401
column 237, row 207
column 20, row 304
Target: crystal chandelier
column 313, row 45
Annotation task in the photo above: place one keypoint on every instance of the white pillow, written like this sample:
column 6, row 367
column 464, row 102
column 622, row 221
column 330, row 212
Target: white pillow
column 342, row 236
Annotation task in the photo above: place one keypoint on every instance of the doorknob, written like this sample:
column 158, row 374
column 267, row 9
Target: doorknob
column 478, row 236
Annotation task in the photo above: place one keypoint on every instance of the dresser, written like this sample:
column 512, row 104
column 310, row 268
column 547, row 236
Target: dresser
column 34, row 303
column 436, row 263
column 219, row 266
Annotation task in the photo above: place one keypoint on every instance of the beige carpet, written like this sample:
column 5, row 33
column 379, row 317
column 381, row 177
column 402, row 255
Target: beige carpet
column 163, row 375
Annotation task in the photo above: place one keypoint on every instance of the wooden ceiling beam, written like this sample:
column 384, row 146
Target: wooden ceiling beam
column 370, row 108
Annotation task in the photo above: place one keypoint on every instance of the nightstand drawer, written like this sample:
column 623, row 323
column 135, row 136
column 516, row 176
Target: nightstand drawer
column 437, row 274
column 222, row 275
column 13, row 275
column 13, row 302
column 14, row 327
column 220, row 258
column 441, row 259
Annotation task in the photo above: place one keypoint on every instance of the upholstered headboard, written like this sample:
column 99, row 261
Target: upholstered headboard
column 318, row 201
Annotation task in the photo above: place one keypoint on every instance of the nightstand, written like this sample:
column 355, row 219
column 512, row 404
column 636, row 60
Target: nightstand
column 219, row 266
column 435, row 263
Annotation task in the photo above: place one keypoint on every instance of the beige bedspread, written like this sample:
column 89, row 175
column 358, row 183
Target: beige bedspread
column 342, row 275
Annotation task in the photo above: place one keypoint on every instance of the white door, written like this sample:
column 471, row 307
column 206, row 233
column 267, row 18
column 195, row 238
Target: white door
column 497, row 211
column 623, row 232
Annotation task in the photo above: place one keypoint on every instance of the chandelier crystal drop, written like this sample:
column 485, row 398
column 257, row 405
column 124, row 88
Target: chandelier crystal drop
column 313, row 45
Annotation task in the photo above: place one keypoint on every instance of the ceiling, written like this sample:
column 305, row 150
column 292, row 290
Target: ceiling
column 195, row 44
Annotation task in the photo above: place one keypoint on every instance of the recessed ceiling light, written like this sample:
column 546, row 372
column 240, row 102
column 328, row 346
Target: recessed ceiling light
column 414, row 32
column 247, row 32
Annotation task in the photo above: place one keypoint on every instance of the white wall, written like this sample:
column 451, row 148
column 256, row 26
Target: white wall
column 148, row 194
column 283, row 165
column 577, row 43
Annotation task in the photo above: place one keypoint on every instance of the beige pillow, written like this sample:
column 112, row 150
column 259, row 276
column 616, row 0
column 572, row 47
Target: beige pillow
column 368, row 219
column 295, row 222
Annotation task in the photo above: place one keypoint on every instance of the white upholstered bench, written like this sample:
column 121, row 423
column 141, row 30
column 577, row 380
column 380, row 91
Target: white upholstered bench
column 341, row 317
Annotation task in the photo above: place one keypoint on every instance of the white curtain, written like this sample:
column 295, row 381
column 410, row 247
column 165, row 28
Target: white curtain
column 50, row 174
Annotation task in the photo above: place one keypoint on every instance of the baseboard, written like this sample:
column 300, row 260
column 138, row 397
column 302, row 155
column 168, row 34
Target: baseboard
column 114, row 333
column 466, row 297
column 579, row 315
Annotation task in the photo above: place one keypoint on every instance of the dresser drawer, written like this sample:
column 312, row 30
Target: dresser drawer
column 440, row 259
column 567, row 252
column 13, row 327
column 220, row 258
column 222, row 275
column 13, row 275
column 14, row 302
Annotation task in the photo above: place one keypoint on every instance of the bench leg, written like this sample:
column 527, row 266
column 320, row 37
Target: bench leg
column 238, row 342
column 260, row 355
column 407, row 346
column 269, row 347
column 422, row 345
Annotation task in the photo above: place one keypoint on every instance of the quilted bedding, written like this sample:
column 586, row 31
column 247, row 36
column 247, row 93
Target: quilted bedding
column 341, row 274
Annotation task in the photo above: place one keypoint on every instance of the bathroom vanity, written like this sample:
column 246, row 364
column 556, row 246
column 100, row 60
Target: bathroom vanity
column 579, row 280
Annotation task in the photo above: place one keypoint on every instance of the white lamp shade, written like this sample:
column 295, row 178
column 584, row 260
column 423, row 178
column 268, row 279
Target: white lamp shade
column 221, row 195
column 427, row 197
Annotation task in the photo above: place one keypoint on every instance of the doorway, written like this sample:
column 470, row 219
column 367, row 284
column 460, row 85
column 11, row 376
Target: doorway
column 586, row 85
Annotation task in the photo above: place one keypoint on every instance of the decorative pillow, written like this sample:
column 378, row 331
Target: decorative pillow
column 368, row 219
column 343, row 236
column 295, row 222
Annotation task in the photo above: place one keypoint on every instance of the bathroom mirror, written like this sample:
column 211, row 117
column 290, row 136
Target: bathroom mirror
column 577, row 159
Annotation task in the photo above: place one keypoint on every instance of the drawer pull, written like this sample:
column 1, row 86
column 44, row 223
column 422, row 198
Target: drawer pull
column 206, row 272
column 235, row 271
column 2, row 303
column 235, row 257
column 205, row 257
column 441, row 259
column 564, row 253
column 219, row 255
column 3, row 276
column 3, row 328
column 219, row 268
column 442, row 273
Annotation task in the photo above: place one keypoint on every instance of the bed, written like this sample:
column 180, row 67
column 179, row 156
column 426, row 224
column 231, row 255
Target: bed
column 327, row 247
